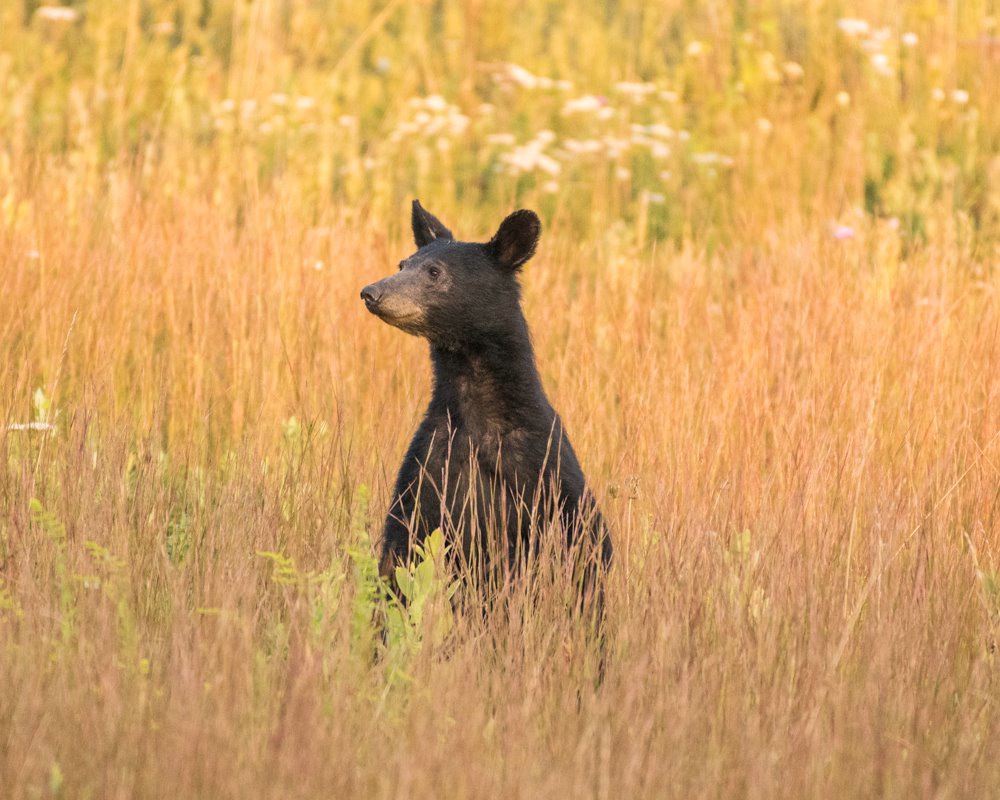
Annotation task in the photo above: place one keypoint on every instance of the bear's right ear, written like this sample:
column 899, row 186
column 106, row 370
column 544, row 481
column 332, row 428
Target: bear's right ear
column 427, row 227
column 516, row 239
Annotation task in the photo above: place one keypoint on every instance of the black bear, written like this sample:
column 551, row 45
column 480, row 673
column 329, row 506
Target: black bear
column 490, row 464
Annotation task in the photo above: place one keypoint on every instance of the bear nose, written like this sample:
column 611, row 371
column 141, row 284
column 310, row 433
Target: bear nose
column 371, row 295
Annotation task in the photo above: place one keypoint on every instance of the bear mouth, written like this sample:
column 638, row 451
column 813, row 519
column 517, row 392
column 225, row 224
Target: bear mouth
column 406, row 319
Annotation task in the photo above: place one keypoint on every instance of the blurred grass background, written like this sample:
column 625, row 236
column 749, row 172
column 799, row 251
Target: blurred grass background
column 765, row 303
column 769, row 108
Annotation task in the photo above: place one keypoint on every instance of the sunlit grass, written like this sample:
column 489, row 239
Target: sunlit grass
column 765, row 303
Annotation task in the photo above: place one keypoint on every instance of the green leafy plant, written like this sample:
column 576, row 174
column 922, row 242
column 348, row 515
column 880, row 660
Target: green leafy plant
column 55, row 531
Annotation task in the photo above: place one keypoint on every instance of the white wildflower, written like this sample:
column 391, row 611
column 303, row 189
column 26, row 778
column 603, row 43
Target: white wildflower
column 584, row 104
column 843, row 99
column 623, row 173
column 880, row 61
column 769, row 65
column 711, row 159
column 435, row 102
column 660, row 130
column 851, row 26
column 457, row 123
column 635, row 90
column 879, row 37
column 659, row 150
column 938, row 94
column 305, row 103
column 793, row 70
column 521, row 76
column 640, row 139
column 582, row 147
column 910, row 39
column 548, row 164
column 960, row 96
column 529, row 157
column 764, row 125
column 503, row 139
column 694, row 48
column 57, row 13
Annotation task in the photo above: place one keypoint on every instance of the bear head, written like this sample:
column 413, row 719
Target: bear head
column 454, row 293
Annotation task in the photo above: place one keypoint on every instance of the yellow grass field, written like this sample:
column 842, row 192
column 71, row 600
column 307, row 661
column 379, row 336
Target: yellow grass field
column 766, row 303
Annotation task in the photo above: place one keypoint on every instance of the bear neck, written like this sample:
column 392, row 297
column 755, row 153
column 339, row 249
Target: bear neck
column 490, row 385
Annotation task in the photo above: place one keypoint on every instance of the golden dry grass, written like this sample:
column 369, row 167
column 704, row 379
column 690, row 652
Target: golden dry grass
column 794, row 430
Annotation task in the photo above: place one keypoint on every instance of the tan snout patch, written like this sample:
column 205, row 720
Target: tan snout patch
column 401, row 311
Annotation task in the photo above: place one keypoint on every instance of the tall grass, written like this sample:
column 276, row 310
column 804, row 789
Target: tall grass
column 765, row 303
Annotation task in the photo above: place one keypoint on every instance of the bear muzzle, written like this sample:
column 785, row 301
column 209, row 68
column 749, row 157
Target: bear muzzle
column 393, row 303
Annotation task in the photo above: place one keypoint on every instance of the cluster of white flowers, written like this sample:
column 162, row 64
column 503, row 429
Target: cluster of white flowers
column 853, row 27
column 531, row 156
column 635, row 91
column 653, row 137
column 31, row 426
column 710, row 159
column 431, row 116
column 597, row 127
column 790, row 71
column 583, row 147
column 588, row 104
column 877, row 43
column 249, row 107
column 57, row 13
column 959, row 97
column 528, row 80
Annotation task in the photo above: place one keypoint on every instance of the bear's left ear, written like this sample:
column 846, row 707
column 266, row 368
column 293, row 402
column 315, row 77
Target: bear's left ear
column 427, row 227
column 515, row 240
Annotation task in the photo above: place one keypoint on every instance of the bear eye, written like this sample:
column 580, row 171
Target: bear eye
column 433, row 272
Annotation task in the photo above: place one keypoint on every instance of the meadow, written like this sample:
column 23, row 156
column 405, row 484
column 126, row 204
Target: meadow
column 766, row 303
